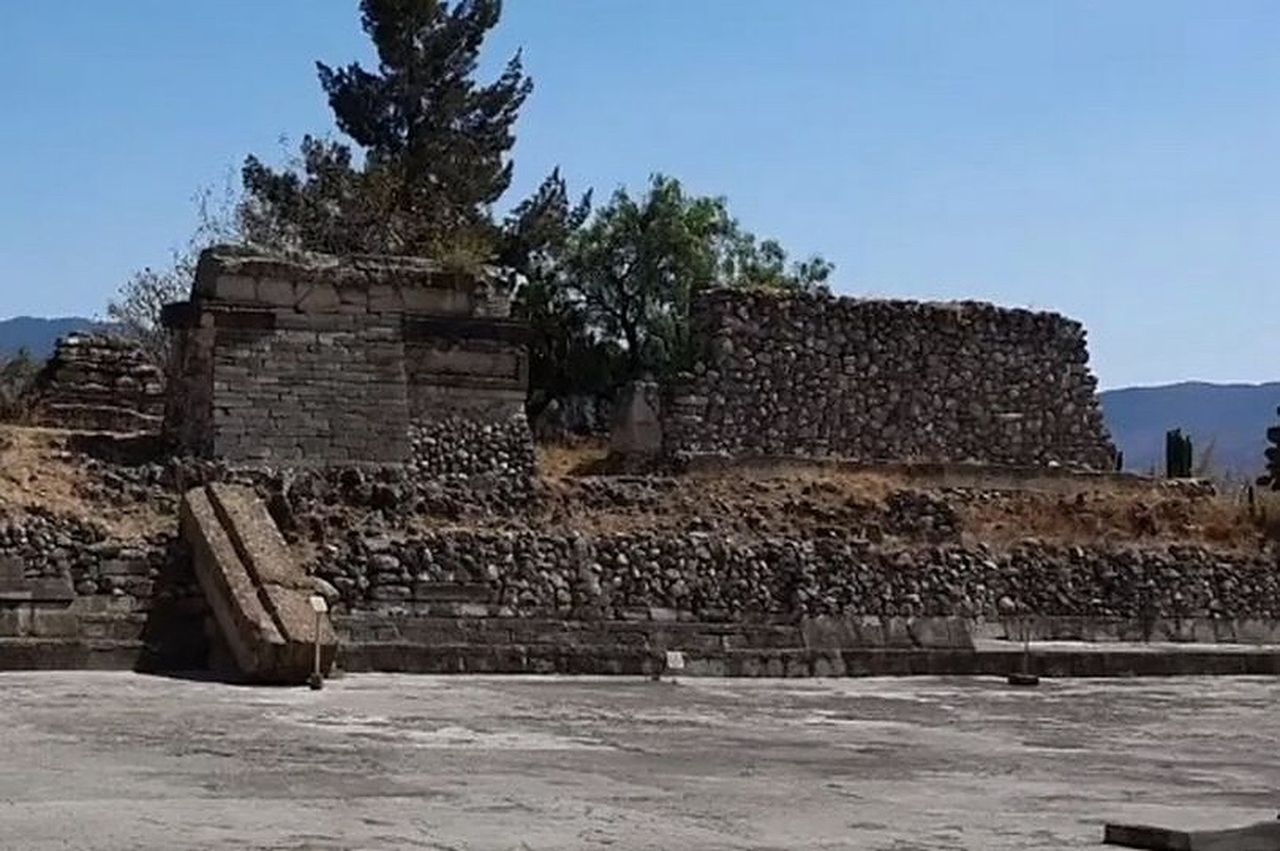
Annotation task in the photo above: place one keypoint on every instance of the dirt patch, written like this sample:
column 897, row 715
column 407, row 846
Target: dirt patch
column 39, row 469
column 68, row 473
column 557, row 460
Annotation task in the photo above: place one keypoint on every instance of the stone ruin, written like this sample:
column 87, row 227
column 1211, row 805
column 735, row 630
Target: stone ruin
column 320, row 361
column 97, row 382
column 885, row 381
column 353, row 401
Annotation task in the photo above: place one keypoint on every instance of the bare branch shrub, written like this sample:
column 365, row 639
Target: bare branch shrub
column 137, row 305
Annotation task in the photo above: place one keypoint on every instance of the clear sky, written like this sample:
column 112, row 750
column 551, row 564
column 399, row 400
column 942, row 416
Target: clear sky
column 1116, row 160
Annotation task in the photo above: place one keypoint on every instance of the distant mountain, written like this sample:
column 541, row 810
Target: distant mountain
column 1226, row 421
column 37, row 335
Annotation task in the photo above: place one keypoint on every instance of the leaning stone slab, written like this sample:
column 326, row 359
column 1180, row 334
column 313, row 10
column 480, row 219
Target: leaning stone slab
column 251, row 634
column 1263, row 836
column 257, row 591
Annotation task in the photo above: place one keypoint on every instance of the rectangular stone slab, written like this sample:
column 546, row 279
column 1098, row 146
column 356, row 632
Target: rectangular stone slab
column 255, row 563
column 282, row 585
column 248, row 628
column 256, row 538
column 1263, row 836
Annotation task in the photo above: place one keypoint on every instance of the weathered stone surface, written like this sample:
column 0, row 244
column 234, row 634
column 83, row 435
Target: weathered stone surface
column 899, row 588
column 99, row 383
column 247, row 628
column 815, row 375
column 256, row 591
column 290, row 361
column 637, row 426
column 460, row 444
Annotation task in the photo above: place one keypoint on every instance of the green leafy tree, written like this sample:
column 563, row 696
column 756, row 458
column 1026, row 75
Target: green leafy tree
column 635, row 269
column 566, row 356
column 434, row 143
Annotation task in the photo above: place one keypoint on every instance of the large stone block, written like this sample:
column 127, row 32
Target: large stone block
column 258, row 594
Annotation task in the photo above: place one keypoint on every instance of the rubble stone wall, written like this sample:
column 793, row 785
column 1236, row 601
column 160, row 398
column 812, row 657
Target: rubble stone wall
column 99, row 383
column 816, row 375
column 545, row 600
column 713, row 578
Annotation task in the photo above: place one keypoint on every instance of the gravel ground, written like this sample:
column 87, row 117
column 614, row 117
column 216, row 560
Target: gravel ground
column 110, row 760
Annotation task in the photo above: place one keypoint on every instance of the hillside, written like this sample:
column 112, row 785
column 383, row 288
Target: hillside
column 38, row 335
column 1230, row 418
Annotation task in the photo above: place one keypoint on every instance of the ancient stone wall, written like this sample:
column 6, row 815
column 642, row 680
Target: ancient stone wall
column 526, row 599
column 702, row 577
column 99, row 383
column 316, row 360
column 815, row 375
column 328, row 387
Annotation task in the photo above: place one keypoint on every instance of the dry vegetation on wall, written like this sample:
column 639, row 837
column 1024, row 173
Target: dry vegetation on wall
column 41, row 471
column 47, row 470
column 808, row 500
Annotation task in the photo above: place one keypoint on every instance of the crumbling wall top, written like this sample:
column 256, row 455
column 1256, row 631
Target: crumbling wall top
column 320, row 283
column 728, row 303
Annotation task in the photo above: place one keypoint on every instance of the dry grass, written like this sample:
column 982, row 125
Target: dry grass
column 1067, row 513
column 1115, row 518
column 558, row 460
column 37, row 470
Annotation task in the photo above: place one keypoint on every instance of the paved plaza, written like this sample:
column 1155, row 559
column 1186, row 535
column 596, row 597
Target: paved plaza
column 117, row 760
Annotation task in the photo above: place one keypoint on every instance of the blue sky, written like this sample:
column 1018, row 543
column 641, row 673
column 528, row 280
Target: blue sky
column 1116, row 160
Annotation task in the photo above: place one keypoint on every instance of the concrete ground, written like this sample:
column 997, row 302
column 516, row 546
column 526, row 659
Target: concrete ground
column 111, row 760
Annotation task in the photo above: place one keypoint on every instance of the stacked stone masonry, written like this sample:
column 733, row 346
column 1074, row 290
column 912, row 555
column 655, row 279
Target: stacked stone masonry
column 713, row 578
column 314, row 360
column 815, row 375
column 692, row 576
column 99, row 383
column 492, row 572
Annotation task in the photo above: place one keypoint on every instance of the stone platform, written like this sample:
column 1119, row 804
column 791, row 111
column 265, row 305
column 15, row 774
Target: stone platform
column 121, row 761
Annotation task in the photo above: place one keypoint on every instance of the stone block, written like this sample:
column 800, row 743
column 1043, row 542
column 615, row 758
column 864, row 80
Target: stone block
column 827, row 632
column 258, row 594
column 317, row 298
column 14, row 621
column 236, row 288
column 637, row 425
column 277, row 293
column 54, row 623
column 828, row 665
column 385, row 298
column 867, row 631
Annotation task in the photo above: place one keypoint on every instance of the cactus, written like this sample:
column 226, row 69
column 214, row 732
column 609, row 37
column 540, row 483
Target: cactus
column 1271, row 478
column 1178, row 455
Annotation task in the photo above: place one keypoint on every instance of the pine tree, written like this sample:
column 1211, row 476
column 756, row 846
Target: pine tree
column 435, row 143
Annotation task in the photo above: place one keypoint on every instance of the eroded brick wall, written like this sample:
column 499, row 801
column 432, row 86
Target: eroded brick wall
column 320, row 361
column 328, row 387
column 99, row 383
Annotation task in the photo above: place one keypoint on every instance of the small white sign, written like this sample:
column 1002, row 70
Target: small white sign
column 675, row 660
column 318, row 604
